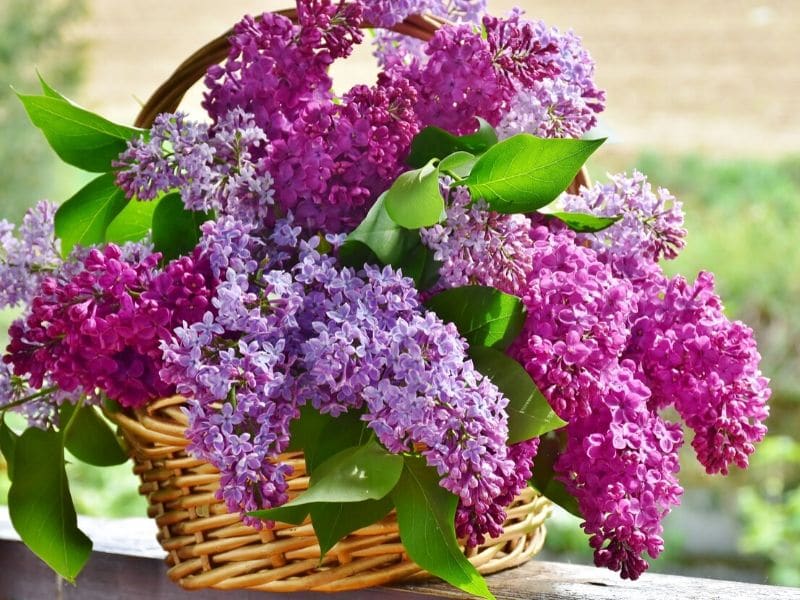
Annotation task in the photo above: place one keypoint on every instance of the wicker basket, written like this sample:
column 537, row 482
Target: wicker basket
column 208, row 547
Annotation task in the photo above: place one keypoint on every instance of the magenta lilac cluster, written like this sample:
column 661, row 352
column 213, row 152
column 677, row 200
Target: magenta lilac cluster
column 611, row 342
column 99, row 324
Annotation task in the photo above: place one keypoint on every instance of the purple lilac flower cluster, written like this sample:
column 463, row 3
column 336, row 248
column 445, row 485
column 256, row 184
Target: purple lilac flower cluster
column 378, row 351
column 562, row 106
column 611, row 342
column 694, row 358
column 467, row 73
column 328, row 160
column 394, row 49
column 620, row 463
column 215, row 168
column 27, row 258
column 291, row 328
column 325, row 159
column 650, row 227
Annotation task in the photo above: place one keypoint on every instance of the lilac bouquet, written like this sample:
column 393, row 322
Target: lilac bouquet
column 393, row 281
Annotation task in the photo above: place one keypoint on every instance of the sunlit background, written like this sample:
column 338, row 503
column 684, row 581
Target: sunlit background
column 702, row 97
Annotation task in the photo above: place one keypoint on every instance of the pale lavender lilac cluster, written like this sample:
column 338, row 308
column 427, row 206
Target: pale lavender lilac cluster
column 563, row 106
column 28, row 256
column 395, row 49
column 376, row 350
column 214, row 169
column 611, row 342
column 291, row 327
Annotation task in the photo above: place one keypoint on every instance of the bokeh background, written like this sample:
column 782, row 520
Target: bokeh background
column 702, row 97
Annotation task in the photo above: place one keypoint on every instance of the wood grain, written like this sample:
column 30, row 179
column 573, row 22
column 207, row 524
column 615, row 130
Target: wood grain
column 126, row 566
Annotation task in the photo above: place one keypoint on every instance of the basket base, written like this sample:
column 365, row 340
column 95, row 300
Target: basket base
column 207, row 547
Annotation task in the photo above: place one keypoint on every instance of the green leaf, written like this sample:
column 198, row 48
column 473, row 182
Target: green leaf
column 90, row 438
column 293, row 515
column 334, row 520
column 483, row 315
column 83, row 219
column 414, row 200
column 584, row 223
column 378, row 240
column 524, row 173
column 426, row 514
column 41, row 507
column 344, row 432
column 529, row 413
column 176, row 230
column 434, row 142
column 8, row 445
column 458, row 164
column 49, row 91
column 378, row 233
column 81, row 138
column 305, row 432
column 356, row 474
column 133, row 223
column 543, row 477
column 421, row 266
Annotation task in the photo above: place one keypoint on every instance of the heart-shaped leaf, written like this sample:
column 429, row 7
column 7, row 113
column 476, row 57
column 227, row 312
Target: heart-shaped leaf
column 334, row 520
column 524, row 172
column 90, row 438
column 133, row 223
column 458, row 164
column 356, row 474
column 8, row 445
column 584, row 223
column 176, row 230
column 529, row 413
column 414, row 200
column 81, row 138
column 543, row 477
column 379, row 234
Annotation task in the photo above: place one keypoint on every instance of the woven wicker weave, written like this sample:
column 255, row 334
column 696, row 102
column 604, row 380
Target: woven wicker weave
column 209, row 547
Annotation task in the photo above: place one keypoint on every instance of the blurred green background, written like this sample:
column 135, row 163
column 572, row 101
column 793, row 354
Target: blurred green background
column 742, row 201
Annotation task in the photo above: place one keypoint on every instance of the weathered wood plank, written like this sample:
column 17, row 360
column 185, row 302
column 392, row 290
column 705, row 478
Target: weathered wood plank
column 127, row 565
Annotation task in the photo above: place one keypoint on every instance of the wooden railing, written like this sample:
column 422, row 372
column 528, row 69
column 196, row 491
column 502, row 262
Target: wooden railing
column 127, row 564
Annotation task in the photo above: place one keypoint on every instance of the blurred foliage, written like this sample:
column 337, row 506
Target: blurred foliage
column 770, row 509
column 33, row 36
